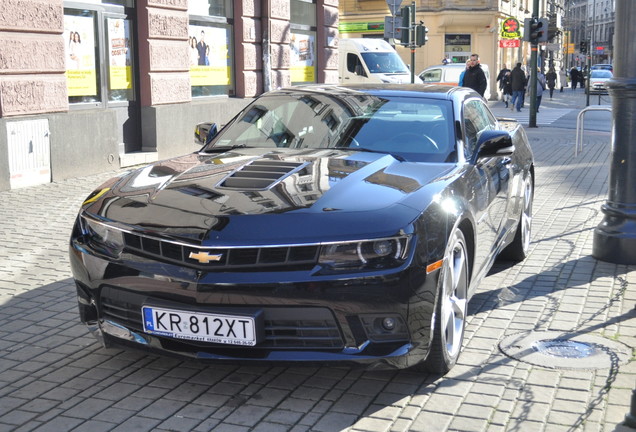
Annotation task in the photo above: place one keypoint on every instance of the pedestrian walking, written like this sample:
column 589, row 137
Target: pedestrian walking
column 461, row 75
column 518, row 86
column 502, row 73
column 550, row 79
column 475, row 78
column 574, row 77
column 541, row 83
column 563, row 78
column 506, row 88
column 582, row 76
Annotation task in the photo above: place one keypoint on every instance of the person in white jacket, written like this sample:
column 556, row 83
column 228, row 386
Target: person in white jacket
column 540, row 87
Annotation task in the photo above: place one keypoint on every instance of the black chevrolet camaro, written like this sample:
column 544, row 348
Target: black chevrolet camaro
column 321, row 224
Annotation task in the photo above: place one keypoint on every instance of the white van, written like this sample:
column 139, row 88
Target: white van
column 448, row 74
column 371, row 60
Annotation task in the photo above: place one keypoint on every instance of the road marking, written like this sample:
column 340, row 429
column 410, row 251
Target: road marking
column 545, row 116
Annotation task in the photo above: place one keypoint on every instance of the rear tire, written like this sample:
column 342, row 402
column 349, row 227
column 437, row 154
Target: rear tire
column 450, row 311
column 518, row 249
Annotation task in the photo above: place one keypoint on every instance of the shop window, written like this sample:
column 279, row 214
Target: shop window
column 120, row 59
column 82, row 56
column 99, row 55
column 303, row 41
column 211, row 47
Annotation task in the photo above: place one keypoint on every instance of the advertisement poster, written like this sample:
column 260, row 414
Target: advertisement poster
column 81, row 76
column 209, row 56
column 302, row 58
column 119, row 54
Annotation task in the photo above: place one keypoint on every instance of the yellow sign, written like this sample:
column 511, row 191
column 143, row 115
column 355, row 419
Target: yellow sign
column 209, row 75
column 510, row 29
column 303, row 74
column 120, row 77
column 81, row 82
column 569, row 48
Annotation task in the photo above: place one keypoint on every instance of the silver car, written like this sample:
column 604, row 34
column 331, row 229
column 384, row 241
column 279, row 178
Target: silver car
column 598, row 81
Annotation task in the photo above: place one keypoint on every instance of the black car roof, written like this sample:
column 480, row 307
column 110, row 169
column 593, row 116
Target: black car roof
column 431, row 91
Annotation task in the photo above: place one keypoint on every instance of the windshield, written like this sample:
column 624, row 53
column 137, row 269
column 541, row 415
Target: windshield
column 601, row 73
column 384, row 62
column 413, row 128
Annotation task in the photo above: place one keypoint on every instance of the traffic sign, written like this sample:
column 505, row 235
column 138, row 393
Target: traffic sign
column 392, row 27
column 394, row 5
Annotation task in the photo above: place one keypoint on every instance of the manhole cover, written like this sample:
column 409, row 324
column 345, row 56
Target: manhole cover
column 558, row 350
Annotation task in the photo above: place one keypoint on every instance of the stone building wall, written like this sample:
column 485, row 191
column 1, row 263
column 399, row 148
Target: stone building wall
column 32, row 64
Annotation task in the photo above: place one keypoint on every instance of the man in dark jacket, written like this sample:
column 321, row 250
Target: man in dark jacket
column 518, row 84
column 475, row 78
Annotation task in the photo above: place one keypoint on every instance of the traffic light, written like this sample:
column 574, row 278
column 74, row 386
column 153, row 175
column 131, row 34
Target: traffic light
column 421, row 35
column 583, row 47
column 536, row 30
column 405, row 30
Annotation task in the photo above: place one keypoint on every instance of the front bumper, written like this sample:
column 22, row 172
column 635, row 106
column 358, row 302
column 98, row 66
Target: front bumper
column 333, row 319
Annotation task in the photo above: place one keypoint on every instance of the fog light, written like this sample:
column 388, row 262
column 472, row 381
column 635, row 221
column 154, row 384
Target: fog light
column 384, row 328
column 388, row 323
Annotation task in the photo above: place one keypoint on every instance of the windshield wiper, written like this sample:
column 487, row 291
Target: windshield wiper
column 368, row 150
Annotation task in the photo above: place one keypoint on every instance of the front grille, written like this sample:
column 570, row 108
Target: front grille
column 296, row 257
column 285, row 327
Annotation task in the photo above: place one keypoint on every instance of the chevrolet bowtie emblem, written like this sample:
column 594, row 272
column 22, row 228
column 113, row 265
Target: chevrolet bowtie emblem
column 204, row 257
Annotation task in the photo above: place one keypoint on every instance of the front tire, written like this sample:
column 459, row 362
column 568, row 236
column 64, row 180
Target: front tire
column 450, row 311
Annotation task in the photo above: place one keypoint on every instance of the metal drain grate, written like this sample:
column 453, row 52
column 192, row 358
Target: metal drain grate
column 557, row 350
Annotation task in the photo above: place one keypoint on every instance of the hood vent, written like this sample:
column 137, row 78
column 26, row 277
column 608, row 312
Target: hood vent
column 261, row 174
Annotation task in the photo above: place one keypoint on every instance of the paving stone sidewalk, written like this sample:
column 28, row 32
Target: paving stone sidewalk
column 55, row 377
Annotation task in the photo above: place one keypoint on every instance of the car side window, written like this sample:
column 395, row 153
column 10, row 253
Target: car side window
column 433, row 75
column 354, row 65
column 477, row 119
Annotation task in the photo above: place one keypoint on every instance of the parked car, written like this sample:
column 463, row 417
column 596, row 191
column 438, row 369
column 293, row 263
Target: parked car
column 603, row 66
column 323, row 223
column 598, row 81
column 448, row 74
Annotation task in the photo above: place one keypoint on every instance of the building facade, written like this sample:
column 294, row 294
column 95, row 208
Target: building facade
column 458, row 28
column 590, row 26
column 88, row 87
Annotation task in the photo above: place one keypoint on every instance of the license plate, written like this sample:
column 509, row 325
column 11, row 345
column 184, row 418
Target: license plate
column 198, row 326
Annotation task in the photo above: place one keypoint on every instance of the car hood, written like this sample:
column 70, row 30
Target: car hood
column 265, row 195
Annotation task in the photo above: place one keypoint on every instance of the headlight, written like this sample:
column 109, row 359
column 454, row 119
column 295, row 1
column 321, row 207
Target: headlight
column 365, row 255
column 102, row 237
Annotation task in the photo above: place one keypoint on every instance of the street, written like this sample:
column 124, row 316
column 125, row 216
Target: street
column 54, row 376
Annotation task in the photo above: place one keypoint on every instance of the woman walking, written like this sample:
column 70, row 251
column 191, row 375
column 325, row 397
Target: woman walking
column 550, row 79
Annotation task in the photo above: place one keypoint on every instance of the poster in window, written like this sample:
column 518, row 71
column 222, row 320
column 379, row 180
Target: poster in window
column 209, row 56
column 120, row 66
column 81, row 76
column 302, row 58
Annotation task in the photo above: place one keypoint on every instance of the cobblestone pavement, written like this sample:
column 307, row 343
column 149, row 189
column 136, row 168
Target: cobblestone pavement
column 55, row 377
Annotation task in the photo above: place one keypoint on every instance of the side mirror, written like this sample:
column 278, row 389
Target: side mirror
column 359, row 70
column 494, row 143
column 204, row 132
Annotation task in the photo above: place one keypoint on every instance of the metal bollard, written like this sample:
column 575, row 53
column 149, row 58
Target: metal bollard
column 630, row 418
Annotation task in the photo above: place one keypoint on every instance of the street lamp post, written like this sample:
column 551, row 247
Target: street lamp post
column 615, row 236
column 591, row 49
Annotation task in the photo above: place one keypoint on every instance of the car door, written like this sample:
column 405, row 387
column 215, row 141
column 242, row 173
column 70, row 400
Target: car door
column 491, row 179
